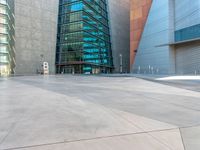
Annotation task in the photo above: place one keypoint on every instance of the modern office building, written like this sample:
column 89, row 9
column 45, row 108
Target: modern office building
column 165, row 36
column 83, row 42
column 35, row 34
column 7, row 50
column 82, row 36
column 119, row 16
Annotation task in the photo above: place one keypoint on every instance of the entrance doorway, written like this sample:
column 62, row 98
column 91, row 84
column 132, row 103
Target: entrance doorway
column 68, row 70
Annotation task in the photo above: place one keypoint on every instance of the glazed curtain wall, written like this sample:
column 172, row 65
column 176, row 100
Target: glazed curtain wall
column 83, row 36
column 138, row 17
column 7, row 55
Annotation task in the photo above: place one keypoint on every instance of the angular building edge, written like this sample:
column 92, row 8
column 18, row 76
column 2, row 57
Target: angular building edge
column 139, row 11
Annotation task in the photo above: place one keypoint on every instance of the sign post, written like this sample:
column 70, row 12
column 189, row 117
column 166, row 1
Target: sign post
column 45, row 68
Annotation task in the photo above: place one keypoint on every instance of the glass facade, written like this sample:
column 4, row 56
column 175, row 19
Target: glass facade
column 83, row 41
column 7, row 62
column 188, row 33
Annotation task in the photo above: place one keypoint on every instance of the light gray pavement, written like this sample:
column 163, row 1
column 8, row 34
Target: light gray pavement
column 193, row 85
column 97, row 113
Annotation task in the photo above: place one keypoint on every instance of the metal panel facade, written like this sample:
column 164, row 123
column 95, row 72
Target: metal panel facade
column 168, row 22
column 138, row 16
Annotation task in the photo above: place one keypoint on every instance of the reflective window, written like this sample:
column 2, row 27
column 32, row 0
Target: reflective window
column 188, row 33
column 83, row 41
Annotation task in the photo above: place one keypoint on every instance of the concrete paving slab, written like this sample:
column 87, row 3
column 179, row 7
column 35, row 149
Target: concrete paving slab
column 185, row 82
column 171, row 138
column 90, row 112
column 58, row 118
column 191, row 137
column 150, row 87
column 142, row 104
column 127, row 142
column 145, row 124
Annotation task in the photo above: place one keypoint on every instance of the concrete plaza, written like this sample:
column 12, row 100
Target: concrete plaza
column 97, row 113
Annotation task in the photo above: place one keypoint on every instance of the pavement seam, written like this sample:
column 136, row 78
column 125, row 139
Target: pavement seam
column 101, row 137
column 11, row 129
column 192, row 126
column 8, row 133
column 89, row 139
column 65, row 141
column 148, row 132
column 182, row 139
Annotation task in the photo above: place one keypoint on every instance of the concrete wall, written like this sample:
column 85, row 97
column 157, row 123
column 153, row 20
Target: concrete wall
column 36, row 28
column 119, row 13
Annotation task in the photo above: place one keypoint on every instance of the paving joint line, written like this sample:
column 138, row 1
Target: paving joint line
column 148, row 133
column 89, row 139
column 182, row 139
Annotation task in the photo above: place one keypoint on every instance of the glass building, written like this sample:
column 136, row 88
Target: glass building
column 83, row 41
column 7, row 62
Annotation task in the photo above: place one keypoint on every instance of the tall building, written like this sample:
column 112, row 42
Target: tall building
column 83, row 42
column 187, row 36
column 139, row 10
column 119, row 16
column 82, row 36
column 168, row 37
column 7, row 50
column 35, row 34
